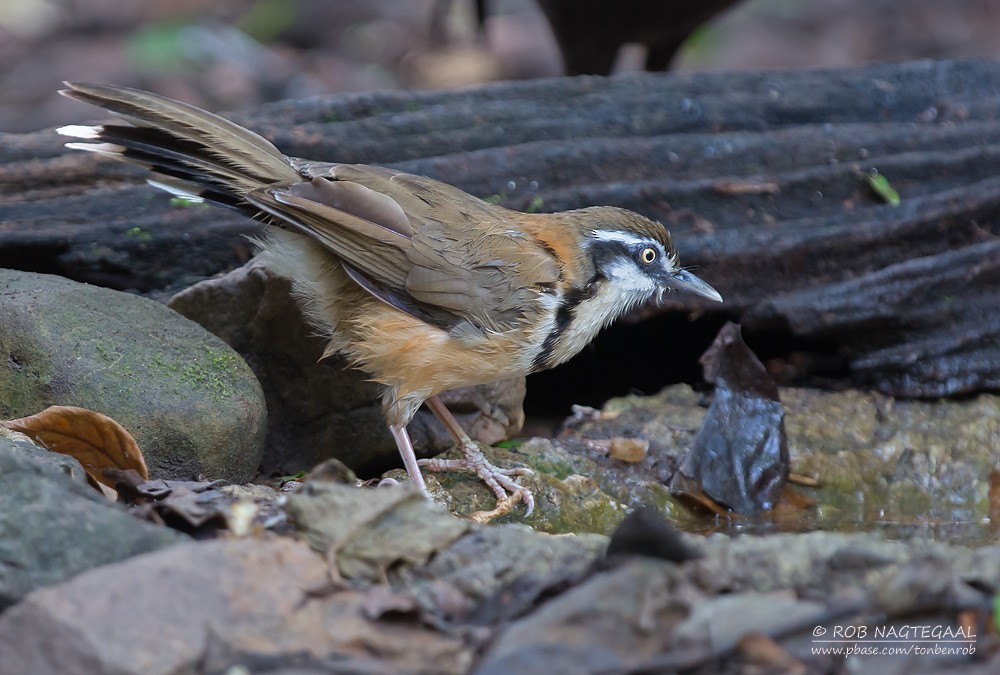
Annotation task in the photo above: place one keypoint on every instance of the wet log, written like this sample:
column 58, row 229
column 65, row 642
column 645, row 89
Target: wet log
column 764, row 178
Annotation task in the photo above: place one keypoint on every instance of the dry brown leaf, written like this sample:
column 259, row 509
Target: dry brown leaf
column 791, row 501
column 693, row 497
column 95, row 440
column 737, row 188
column 109, row 493
column 807, row 481
column 629, row 449
column 761, row 650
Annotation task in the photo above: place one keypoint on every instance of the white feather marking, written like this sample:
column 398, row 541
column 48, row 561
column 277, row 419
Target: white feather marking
column 176, row 191
column 109, row 149
column 625, row 238
column 80, row 131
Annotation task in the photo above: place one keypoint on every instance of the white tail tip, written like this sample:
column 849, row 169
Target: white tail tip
column 80, row 131
column 176, row 191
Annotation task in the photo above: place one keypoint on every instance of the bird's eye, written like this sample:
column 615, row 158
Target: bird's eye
column 647, row 255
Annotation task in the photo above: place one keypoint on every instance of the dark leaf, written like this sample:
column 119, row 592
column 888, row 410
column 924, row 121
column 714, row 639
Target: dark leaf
column 739, row 457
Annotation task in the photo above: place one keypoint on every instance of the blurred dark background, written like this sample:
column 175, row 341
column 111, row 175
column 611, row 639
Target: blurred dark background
column 236, row 54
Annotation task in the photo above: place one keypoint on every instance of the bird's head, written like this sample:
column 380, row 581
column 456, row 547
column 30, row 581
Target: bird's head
column 637, row 255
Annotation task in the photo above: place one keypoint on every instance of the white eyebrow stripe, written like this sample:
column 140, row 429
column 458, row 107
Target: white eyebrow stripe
column 629, row 239
column 622, row 238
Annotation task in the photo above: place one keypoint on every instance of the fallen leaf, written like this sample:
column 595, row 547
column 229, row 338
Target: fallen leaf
column 195, row 507
column 761, row 650
column 629, row 449
column 745, row 187
column 739, row 457
column 807, row 481
column 95, row 440
column 689, row 492
column 331, row 469
column 791, row 500
column 127, row 482
column 880, row 186
column 387, row 527
column 109, row 493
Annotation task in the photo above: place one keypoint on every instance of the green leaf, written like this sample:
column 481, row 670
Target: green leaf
column 186, row 203
column 287, row 479
column 880, row 185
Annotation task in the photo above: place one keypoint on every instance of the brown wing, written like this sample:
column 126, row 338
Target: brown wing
column 421, row 245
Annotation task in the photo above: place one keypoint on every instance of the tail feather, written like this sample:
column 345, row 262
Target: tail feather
column 201, row 154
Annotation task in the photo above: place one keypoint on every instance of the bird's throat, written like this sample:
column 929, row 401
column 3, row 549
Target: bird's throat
column 580, row 316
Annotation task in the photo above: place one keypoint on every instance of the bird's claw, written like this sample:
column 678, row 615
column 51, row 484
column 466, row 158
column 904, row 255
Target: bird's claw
column 508, row 491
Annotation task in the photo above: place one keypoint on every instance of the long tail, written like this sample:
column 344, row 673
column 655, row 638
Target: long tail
column 201, row 156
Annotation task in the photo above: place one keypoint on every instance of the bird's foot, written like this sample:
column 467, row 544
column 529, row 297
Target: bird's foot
column 508, row 491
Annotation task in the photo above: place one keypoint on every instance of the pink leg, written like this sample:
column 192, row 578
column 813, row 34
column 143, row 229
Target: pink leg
column 409, row 458
column 499, row 480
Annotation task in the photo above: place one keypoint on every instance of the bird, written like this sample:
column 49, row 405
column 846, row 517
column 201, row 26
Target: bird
column 420, row 285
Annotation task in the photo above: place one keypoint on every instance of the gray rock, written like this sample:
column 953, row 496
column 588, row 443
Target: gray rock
column 497, row 573
column 155, row 614
column 320, row 408
column 396, row 534
column 653, row 616
column 54, row 526
column 719, row 622
column 494, row 600
column 616, row 619
column 189, row 400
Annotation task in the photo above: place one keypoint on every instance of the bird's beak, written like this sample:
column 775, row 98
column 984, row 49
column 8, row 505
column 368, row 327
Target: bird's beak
column 685, row 281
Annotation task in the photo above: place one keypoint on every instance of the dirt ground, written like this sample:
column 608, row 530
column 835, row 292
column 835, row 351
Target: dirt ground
column 236, row 54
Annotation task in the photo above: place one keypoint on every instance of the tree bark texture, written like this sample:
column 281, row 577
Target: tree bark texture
column 764, row 178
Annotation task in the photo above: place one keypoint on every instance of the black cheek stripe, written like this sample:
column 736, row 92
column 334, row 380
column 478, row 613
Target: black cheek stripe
column 564, row 319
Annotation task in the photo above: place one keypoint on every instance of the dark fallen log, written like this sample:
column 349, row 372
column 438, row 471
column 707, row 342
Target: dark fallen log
column 763, row 178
